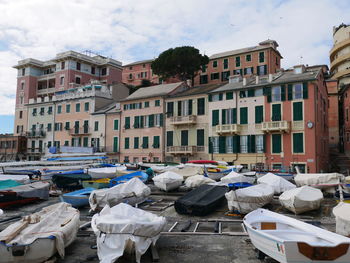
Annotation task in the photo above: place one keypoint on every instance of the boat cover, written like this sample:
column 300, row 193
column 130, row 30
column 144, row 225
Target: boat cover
column 248, row 199
column 38, row 189
column 318, row 179
column 60, row 220
column 115, row 226
column 187, row 171
column 197, row 180
column 134, row 191
column 202, row 200
column 21, row 178
column 278, row 183
column 168, row 178
column 6, row 184
column 234, row 177
column 301, row 199
column 342, row 219
column 104, row 172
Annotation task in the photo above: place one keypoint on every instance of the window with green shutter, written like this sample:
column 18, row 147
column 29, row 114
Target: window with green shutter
column 156, row 141
column 116, row 125
column 190, row 105
column 215, row 63
column 170, row 109
column 67, row 125
column 115, row 144
column 290, row 91
column 151, row 120
column 259, row 114
column 77, row 107
column 68, row 108
column 127, row 123
column 184, row 138
column 86, row 106
column 251, row 93
column 200, row 137
column 223, row 116
column 222, row 144
column 236, row 146
column 96, row 126
column 146, row 104
column 127, row 143
column 136, row 142
column 238, row 61
column 136, row 122
column 243, row 114
column 261, row 57
column 276, row 143
column 276, row 112
column 297, row 111
column 248, row 57
column 225, row 63
column 215, row 117
column 283, row 92
column 145, row 142
column 229, row 95
column 85, row 141
column 201, row 106
column 298, row 142
column 251, row 144
column 305, row 90
column 59, row 109
column 157, row 103
column 169, row 138
column 234, row 116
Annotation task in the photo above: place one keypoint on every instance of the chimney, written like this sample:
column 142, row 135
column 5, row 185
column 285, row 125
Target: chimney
column 256, row 79
column 270, row 77
column 189, row 83
column 244, row 81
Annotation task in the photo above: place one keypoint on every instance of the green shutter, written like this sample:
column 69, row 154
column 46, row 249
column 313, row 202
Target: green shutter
column 136, row 122
column 127, row 141
column 251, row 143
column 210, row 97
column 259, row 113
column 223, row 116
column 243, row 115
column 145, row 142
column 156, row 141
column 236, row 144
column 276, row 112
column 265, row 69
column 305, row 90
column 210, row 145
column 220, row 96
column 151, row 120
column 297, row 111
column 222, row 144
column 179, row 108
column 276, row 143
column 161, row 120
column 283, row 92
column 189, row 107
column 200, row 137
column 251, row 93
column 215, row 117
column 116, row 125
column 268, row 94
column 136, row 142
column 184, row 138
column 169, row 138
column 264, row 143
column 201, row 106
column 298, row 142
column 234, row 116
column 85, row 141
column 229, row 95
column 290, row 92
column 141, row 121
column 170, row 109
column 127, row 122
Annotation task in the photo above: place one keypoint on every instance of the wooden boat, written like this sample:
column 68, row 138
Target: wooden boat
column 24, row 194
column 77, row 198
column 41, row 235
column 97, row 184
column 124, row 178
column 234, row 186
column 217, row 175
column 168, row 181
column 203, row 162
column 103, row 172
column 289, row 240
column 342, row 219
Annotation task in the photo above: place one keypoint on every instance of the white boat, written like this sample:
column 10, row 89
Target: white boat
column 104, row 172
column 301, row 199
column 37, row 237
column 197, row 180
column 168, row 181
column 234, row 177
column 187, row 171
column 289, row 240
column 320, row 180
column 276, row 182
column 342, row 219
column 247, row 199
column 23, row 179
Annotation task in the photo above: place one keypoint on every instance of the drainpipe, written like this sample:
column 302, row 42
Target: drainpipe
column 236, row 95
column 120, row 132
column 163, row 129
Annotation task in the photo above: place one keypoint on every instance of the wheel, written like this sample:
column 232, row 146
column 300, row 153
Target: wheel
column 260, row 255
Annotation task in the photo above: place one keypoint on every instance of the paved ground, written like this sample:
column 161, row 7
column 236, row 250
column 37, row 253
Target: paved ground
column 180, row 248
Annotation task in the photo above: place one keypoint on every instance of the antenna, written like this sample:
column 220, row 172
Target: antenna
column 301, row 60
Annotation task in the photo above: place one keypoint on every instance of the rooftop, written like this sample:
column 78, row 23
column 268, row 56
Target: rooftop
column 202, row 89
column 139, row 62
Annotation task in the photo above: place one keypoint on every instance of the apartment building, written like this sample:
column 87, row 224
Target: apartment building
column 340, row 54
column 187, row 124
column 344, row 119
column 113, row 131
column 135, row 72
column 12, row 148
column 257, row 60
column 67, row 70
column 142, row 123
column 268, row 120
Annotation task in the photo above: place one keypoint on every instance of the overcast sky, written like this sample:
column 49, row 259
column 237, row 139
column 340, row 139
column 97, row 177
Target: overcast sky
column 136, row 30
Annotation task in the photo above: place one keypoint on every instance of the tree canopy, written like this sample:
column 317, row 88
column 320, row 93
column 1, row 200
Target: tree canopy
column 180, row 62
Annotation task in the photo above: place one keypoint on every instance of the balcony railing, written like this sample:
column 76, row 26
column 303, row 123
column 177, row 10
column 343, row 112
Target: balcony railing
column 35, row 151
column 36, row 134
column 189, row 150
column 228, row 128
column 180, row 120
column 276, row 126
column 298, row 125
column 76, row 131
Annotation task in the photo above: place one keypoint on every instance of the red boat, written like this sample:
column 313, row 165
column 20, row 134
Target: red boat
column 203, row 162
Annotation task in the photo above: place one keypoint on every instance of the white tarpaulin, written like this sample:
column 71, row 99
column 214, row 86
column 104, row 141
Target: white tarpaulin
column 133, row 191
column 168, row 181
column 234, row 177
column 278, row 183
column 342, row 218
column 301, row 199
column 104, row 172
column 24, row 179
column 197, row 180
column 250, row 198
column 187, row 171
column 60, row 220
column 318, row 180
column 115, row 226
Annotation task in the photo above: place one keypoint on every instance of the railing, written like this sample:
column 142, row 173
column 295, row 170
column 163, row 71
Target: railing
column 179, row 120
column 79, row 131
column 228, row 128
column 298, row 125
column 36, row 134
column 258, row 126
column 277, row 126
column 44, row 91
column 35, row 150
column 182, row 149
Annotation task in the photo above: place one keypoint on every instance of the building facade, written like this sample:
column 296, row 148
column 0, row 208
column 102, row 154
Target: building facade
column 344, row 119
column 12, row 148
column 340, row 54
column 333, row 113
column 135, row 72
column 113, row 131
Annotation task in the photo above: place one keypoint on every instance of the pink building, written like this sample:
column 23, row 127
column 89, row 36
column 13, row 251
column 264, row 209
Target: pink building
column 135, row 72
column 142, row 123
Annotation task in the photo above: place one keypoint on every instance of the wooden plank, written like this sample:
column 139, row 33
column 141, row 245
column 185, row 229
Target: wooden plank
column 203, row 234
column 16, row 231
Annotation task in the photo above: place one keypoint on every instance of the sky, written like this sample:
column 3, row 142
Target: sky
column 135, row 30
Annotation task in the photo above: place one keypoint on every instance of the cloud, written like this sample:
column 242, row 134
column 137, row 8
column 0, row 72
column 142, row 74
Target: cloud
column 135, row 30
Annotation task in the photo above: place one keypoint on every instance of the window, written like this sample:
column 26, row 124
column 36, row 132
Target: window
column 184, row 108
column 58, row 126
column 136, row 142
column 115, row 144
column 214, row 76
column 77, row 80
column 225, row 75
column 96, row 126
column 143, row 65
column 34, row 112
column 248, row 57
column 229, row 144
column 21, row 99
column 215, row 117
column 238, row 72
column 200, row 137
column 243, row 114
column 225, row 63
column 77, row 107
column 169, row 138
column 23, row 71
column 157, row 103
column 259, row 114
column 22, row 86
column 59, row 109
column 49, row 127
column 170, row 109
column 228, row 116
column 229, row 95
column 215, row 63
column 130, row 68
column 85, row 141
column 61, row 81
column 201, row 106
column 78, row 66
column 261, row 70
column 204, row 68
column 20, row 114
column 248, row 71
column 126, row 143
column 145, row 142
column 67, row 108
column 215, row 144
column 297, row 91
column 63, row 64
column 104, row 71
column 258, row 92
column 276, row 112
column 116, row 125
column 146, row 104
column 298, row 142
column 238, row 61
column 127, row 123
column 156, row 141
column 244, row 144
column 203, row 79
column 251, row 93
column 93, row 70
column 259, row 143
column 42, row 111
column 67, row 125
column 276, row 143
column 158, row 120
column 86, row 106
column 298, row 111
column 261, row 57
column 276, row 94
column 49, row 111
column 215, row 97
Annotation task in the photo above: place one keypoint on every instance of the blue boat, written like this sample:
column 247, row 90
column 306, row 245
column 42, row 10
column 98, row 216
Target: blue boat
column 124, row 178
column 78, row 198
column 234, row 186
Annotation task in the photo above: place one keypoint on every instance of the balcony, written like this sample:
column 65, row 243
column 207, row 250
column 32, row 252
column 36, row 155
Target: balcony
column 181, row 120
column 298, row 125
column 36, row 134
column 78, row 131
column 45, row 91
column 228, row 128
column 188, row 150
column 276, row 126
column 36, row 151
